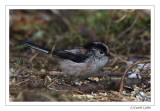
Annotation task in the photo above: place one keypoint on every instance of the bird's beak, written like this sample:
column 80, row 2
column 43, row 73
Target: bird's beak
column 108, row 54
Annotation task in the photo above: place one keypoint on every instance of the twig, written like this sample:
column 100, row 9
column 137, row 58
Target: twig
column 63, row 18
column 128, row 29
column 33, row 57
column 121, row 19
column 122, row 79
column 22, row 82
column 144, row 65
column 45, row 62
column 53, row 47
column 55, row 73
column 118, row 57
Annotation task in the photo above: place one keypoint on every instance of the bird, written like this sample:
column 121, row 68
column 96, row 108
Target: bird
column 80, row 62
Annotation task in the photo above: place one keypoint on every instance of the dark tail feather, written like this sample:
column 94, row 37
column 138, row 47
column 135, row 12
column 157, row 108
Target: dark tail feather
column 34, row 46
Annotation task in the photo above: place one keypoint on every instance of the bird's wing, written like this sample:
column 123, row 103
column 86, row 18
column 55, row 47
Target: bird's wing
column 77, row 55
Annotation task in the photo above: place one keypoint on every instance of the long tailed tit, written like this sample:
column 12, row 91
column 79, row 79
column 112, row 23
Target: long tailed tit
column 81, row 62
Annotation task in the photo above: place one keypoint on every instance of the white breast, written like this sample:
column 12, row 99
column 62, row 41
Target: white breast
column 73, row 69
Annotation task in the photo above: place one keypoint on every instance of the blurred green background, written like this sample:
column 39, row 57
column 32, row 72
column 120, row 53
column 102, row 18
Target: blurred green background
column 124, row 31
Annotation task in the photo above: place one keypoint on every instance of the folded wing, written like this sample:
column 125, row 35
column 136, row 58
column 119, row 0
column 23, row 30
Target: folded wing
column 76, row 55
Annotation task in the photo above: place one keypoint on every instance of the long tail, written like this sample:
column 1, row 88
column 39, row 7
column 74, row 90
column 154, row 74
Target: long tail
column 34, row 46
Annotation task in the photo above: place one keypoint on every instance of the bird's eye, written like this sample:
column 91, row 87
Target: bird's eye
column 101, row 52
